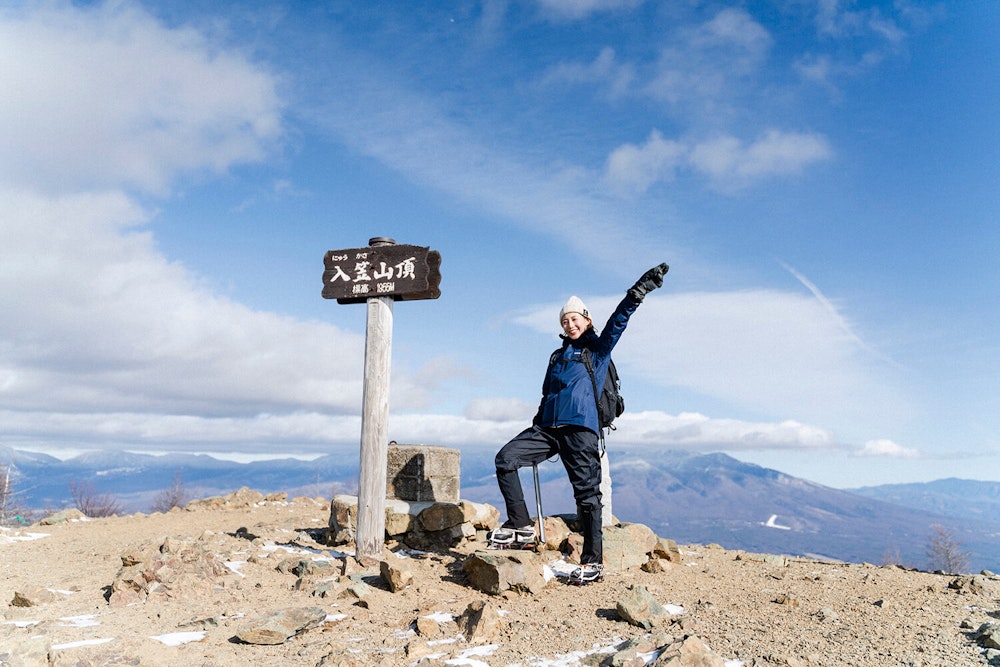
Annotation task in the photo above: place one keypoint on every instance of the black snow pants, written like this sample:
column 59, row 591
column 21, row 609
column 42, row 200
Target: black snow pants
column 579, row 450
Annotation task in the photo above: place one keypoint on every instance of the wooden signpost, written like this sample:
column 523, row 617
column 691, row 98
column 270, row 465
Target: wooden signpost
column 378, row 275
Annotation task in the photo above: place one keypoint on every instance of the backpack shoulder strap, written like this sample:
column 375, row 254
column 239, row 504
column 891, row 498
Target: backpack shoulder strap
column 589, row 363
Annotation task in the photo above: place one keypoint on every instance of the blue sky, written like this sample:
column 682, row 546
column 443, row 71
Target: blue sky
column 820, row 175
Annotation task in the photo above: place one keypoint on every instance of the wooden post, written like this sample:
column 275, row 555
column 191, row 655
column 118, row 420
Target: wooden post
column 606, row 490
column 370, row 536
column 378, row 275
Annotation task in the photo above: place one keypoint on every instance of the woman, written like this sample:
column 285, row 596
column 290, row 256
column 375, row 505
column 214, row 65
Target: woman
column 567, row 424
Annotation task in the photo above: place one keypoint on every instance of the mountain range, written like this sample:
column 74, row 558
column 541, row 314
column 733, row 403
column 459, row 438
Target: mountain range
column 691, row 498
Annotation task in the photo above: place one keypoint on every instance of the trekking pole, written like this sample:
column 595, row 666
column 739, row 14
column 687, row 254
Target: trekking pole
column 538, row 506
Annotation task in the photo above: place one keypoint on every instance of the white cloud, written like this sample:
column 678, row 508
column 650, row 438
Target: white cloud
column 635, row 168
column 603, row 70
column 105, row 96
column 887, row 449
column 698, row 432
column 103, row 338
column 578, row 9
column 704, row 64
column 96, row 319
column 779, row 354
column 726, row 160
column 500, row 409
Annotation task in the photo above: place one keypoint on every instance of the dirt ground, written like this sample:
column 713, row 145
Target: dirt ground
column 748, row 609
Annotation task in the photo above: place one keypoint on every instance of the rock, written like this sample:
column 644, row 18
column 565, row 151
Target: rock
column 572, row 547
column 692, row 652
column 396, row 576
column 25, row 651
column 423, row 525
column 654, row 566
column 969, row 585
column 358, row 591
column 418, row 648
column 37, row 597
column 769, row 559
column 427, row 627
column 240, row 499
column 667, row 550
column 481, row 515
column 786, row 599
column 988, row 635
column 401, row 516
column 441, row 516
column 480, row 622
column 827, row 615
column 311, row 568
column 496, row 572
column 627, row 545
column 343, row 519
column 631, row 652
column 177, row 569
column 342, row 659
column 278, row 626
column 556, row 532
column 63, row 516
column 638, row 607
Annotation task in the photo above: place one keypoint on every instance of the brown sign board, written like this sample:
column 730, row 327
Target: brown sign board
column 404, row 272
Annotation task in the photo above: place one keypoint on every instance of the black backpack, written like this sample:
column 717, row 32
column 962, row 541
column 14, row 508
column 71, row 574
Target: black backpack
column 610, row 404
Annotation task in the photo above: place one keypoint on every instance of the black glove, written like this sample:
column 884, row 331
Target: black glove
column 649, row 281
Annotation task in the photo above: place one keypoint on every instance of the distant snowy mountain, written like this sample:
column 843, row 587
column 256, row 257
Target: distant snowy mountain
column 694, row 499
column 715, row 498
column 135, row 479
column 952, row 497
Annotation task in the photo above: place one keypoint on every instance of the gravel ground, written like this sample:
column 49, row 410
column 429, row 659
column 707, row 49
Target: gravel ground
column 749, row 609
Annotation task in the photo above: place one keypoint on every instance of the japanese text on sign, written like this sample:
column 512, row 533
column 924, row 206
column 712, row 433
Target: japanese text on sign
column 400, row 271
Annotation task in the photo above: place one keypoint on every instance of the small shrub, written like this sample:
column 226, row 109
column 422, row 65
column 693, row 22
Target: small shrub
column 91, row 503
column 944, row 552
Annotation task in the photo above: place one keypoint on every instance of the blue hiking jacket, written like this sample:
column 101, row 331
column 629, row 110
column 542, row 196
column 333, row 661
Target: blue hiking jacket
column 567, row 391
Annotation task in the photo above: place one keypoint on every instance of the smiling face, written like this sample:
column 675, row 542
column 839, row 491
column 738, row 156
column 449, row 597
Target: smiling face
column 574, row 325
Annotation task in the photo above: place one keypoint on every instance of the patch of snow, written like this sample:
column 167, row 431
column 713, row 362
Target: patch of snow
column 770, row 523
column 85, row 621
column 21, row 624
column 440, row 617
column 235, row 566
column 439, row 642
column 84, row 642
column 467, row 657
column 178, row 638
column 19, row 536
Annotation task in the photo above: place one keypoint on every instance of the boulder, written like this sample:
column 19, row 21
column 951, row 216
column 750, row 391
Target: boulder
column 276, row 627
column 480, row 622
column 638, row 607
column 496, row 572
column 627, row 545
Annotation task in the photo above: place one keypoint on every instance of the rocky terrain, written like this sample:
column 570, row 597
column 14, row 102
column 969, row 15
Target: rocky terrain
column 251, row 580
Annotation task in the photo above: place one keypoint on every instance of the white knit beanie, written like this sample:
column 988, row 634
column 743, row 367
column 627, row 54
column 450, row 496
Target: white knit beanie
column 574, row 305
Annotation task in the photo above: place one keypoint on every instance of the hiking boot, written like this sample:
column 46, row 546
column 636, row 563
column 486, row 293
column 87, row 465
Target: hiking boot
column 586, row 574
column 511, row 538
